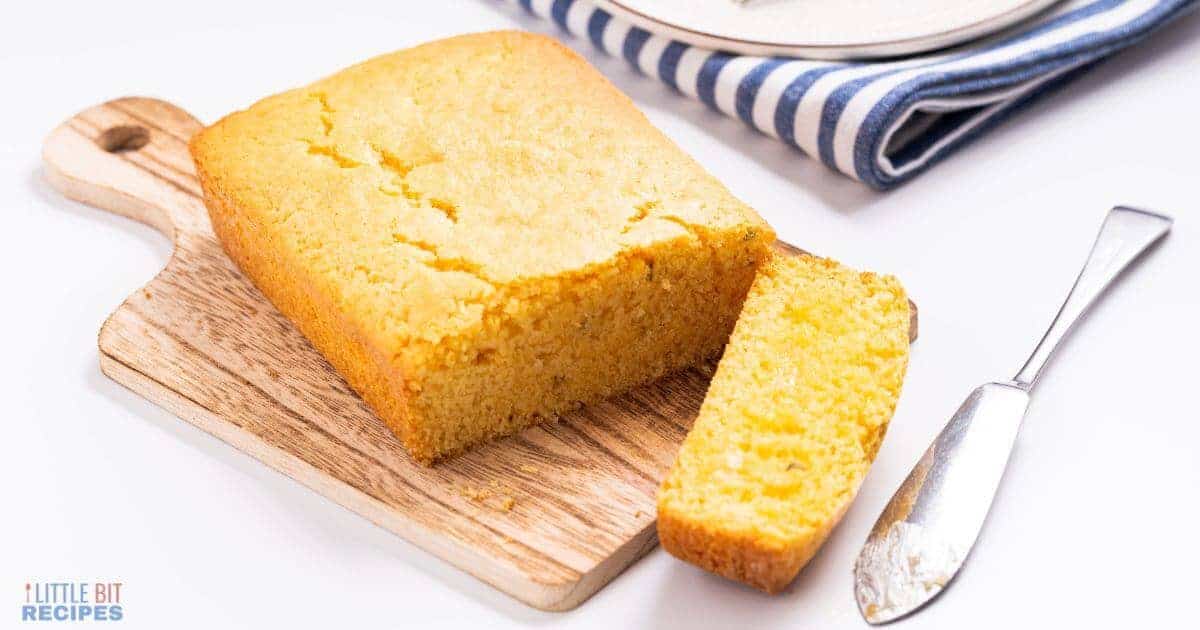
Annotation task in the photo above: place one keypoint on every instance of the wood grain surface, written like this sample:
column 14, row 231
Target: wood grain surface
column 548, row 516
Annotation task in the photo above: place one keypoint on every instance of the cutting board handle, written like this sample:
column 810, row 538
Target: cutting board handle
column 130, row 156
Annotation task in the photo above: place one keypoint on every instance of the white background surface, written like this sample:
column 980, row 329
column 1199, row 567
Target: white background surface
column 1095, row 524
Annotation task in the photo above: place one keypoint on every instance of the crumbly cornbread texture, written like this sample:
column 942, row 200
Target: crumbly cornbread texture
column 791, row 422
column 479, row 233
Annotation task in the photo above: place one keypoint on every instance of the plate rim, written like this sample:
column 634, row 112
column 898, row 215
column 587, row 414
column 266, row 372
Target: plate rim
column 850, row 51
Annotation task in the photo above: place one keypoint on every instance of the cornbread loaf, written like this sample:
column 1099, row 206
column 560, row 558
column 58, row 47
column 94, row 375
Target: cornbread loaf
column 479, row 233
column 791, row 422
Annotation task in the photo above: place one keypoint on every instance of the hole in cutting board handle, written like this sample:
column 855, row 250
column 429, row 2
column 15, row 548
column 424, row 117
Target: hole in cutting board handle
column 123, row 138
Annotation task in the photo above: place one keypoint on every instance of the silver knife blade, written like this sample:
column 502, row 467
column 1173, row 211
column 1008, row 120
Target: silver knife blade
column 923, row 536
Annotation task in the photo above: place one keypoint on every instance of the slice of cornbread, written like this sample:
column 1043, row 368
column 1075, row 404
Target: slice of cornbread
column 791, row 421
column 479, row 233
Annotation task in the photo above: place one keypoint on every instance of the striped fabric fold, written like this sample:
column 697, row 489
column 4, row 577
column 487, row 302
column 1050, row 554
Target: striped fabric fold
column 880, row 122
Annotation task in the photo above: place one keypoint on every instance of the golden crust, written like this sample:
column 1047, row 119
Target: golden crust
column 333, row 334
column 744, row 558
column 471, row 247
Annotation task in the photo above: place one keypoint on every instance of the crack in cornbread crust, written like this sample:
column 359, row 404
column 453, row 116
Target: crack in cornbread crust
column 472, row 247
column 791, row 422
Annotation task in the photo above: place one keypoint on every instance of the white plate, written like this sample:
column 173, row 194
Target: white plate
column 824, row 29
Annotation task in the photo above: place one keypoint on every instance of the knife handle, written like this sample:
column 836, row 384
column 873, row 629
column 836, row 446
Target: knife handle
column 1125, row 235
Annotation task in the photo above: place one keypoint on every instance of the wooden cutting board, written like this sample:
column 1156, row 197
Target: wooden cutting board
column 548, row 516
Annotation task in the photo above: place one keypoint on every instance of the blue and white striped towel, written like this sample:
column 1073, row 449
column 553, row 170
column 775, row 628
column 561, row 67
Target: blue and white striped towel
column 880, row 122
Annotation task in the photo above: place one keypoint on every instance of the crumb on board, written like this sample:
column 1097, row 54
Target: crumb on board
column 526, row 468
column 474, row 494
column 503, row 503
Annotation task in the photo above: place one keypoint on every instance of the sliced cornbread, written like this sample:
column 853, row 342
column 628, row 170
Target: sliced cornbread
column 791, row 422
column 479, row 233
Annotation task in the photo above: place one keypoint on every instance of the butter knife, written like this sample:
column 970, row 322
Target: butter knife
column 926, row 531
